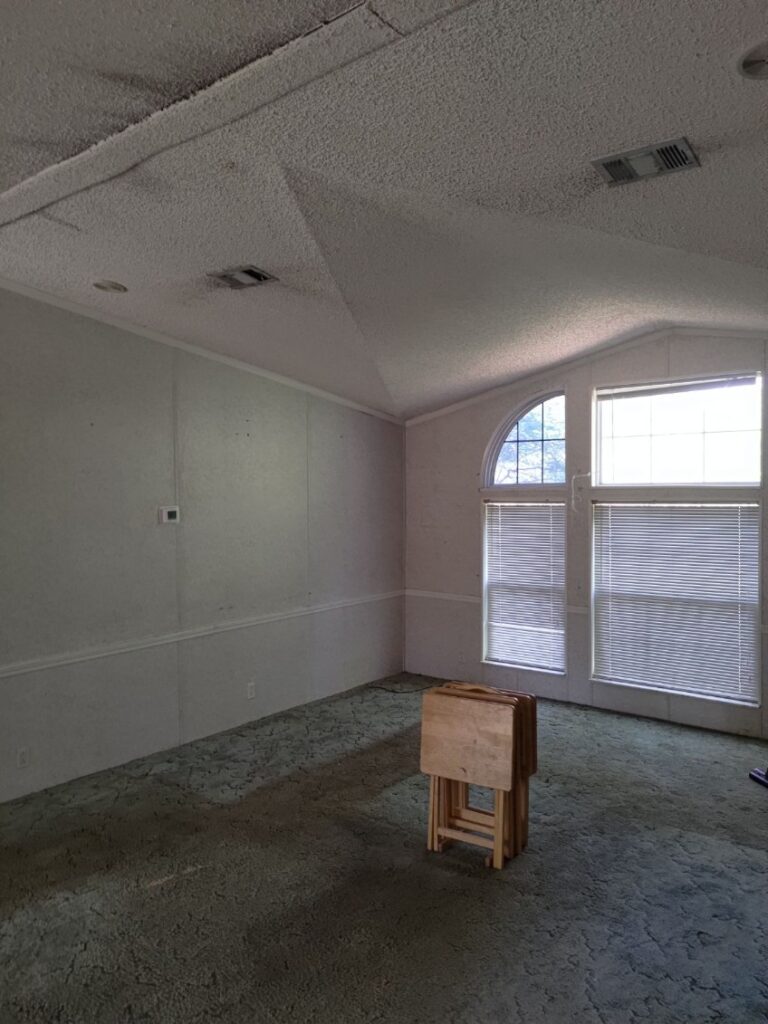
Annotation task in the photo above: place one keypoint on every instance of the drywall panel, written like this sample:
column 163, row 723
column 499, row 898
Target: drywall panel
column 355, row 474
column 85, row 460
column 696, row 355
column 242, row 467
column 99, row 428
column 244, row 674
column 353, row 645
column 638, row 363
column 444, row 522
column 76, row 719
column 443, row 638
column 216, row 672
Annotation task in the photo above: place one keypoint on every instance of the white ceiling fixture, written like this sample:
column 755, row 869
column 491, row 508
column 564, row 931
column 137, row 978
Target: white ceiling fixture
column 648, row 162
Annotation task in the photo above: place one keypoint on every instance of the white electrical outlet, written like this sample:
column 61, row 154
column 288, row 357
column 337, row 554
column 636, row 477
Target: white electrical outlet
column 22, row 757
column 251, row 690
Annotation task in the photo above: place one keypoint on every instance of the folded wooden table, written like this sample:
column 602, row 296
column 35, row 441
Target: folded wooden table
column 475, row 735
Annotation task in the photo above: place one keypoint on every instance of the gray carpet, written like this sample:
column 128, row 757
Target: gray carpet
column 278, row 873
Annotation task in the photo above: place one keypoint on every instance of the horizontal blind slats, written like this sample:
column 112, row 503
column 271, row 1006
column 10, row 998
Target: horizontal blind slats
column 676, row 597
column 525, row 584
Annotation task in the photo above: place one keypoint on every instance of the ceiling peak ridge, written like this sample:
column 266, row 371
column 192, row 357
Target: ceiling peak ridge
column 287, row 173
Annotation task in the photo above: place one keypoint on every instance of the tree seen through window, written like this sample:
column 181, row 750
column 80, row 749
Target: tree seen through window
column 533, row 452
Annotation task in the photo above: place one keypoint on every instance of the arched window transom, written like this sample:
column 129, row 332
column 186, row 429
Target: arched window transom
column 533, row 451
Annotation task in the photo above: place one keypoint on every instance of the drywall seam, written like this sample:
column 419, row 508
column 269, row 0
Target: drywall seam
column 177, row 552
column 21, row 668
column 185, row 346
column 404, row 535
column 308, row 503
column 616, row 345
column 384, row 21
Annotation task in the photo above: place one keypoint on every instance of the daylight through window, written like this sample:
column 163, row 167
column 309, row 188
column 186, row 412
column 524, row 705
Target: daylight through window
column 533, row 451
column 675, row 601
column 524, row 583
column 705, row 432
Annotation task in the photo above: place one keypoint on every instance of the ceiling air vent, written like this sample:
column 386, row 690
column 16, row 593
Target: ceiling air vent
column 243, row 277
column 649, row 162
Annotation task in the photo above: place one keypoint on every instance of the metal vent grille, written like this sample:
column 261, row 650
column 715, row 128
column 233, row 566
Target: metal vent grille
column 618, row 171
column 242, row 277
column 649, row 162
column 674, row 157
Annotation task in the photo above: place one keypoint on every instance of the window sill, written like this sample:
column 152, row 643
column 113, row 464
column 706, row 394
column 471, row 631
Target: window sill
column 755, row 705
column 524, row 492
column 525, row 668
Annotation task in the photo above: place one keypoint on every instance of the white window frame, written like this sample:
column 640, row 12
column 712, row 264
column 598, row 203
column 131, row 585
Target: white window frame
column 488, row 488
column 533, row 493
column 648, row 494
column 657, row 489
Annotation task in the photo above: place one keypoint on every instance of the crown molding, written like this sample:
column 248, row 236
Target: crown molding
column 196, row 350
column 645, row 335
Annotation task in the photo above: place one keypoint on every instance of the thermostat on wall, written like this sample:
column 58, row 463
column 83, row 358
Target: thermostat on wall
column 169, row 514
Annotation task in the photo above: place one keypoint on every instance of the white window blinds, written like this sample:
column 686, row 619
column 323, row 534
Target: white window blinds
column 525, row 584
column 675, row 597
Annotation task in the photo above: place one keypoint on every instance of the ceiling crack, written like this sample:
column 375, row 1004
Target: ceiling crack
column 383, row 20
column 59, row 220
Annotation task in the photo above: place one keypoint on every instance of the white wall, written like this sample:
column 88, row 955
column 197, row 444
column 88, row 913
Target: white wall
column 118, row 636
column 444, row 457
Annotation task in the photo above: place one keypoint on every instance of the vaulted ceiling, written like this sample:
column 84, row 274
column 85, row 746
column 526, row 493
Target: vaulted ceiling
column 416, row 173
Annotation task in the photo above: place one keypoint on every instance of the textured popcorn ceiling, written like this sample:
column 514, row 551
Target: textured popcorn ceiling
column 78, row 71
column 416, row 174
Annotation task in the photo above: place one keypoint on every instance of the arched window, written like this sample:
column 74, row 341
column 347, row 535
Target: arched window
column 524, row 579
column 533, row 451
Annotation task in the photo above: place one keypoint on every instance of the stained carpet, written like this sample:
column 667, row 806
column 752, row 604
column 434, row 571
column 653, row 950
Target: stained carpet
column 277, row 873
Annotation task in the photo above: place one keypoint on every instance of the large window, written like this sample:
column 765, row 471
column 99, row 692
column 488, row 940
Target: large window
column 524, row 583
column 676, row 597
column 674, row 502
column 701, row 433
column 675, row 602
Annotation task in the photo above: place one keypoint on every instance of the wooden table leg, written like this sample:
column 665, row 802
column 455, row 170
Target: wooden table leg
column 499, row 827
column 432, row 821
